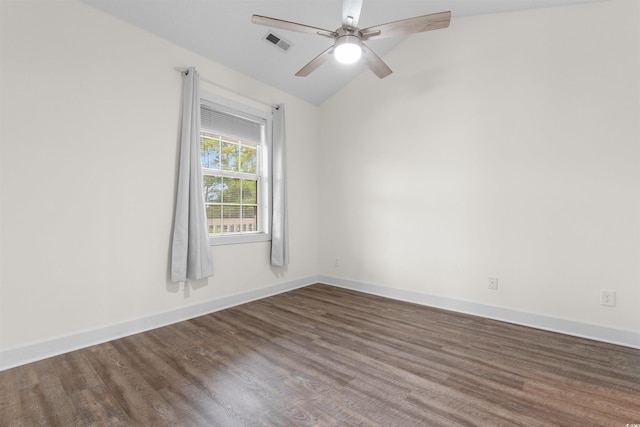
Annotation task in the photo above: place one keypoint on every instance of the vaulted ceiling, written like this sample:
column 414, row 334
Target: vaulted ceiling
column 222, row 31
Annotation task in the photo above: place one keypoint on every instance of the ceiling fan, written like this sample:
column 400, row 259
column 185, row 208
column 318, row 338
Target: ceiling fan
column 348, row 39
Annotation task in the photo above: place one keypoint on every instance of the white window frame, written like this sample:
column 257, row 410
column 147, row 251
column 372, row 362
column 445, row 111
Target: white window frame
column 264, row 181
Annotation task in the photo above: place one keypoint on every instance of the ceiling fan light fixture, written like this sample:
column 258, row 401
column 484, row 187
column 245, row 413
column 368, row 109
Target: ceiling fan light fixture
column 348, row 49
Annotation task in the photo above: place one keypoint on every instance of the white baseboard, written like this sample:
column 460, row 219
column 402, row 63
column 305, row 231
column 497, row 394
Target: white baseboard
column 30, row 353
column 568, row 327
column 33, row 352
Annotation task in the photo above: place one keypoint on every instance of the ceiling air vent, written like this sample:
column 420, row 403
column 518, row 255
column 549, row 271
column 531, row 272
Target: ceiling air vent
column 277, row 41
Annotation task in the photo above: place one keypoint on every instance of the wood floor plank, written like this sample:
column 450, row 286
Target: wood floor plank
column 10, row 403
column 325, row 356
column 141, row 403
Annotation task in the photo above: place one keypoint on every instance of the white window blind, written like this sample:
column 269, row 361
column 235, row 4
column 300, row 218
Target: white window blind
column 230, row 125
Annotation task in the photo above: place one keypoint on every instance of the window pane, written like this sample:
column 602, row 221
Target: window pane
column 248, row 159
column 229, row 156
column 210, row 152
column 249, row 191
column 231, row 192
column 231, row 212
column 214, row 219
column 249, row 218
column 231, row 219
column 212, row 189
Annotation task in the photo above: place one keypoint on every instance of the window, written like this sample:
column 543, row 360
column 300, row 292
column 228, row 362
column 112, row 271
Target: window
column 234, row 146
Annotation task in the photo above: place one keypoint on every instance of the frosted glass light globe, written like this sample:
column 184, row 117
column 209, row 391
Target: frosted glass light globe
column 348, row 50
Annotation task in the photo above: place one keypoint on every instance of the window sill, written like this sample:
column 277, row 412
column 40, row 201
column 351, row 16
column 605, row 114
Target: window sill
column 236, row 239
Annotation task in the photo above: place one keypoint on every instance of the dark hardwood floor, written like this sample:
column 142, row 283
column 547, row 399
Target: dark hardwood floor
column 324, row 356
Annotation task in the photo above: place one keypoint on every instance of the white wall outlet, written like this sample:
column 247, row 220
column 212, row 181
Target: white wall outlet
column 608, row 298
column 336, row 262
column 493, row 283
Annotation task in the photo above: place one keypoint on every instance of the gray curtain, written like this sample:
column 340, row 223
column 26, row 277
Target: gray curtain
column 279, row 221
column 190, row 253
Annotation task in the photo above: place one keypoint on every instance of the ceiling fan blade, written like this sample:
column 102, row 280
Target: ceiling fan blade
column 351, row 12
column 374, row 62
column 434, row 21
column 315, row 63
column 291, row 26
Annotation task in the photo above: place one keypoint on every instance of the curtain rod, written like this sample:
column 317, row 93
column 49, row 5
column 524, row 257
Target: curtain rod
column 185, row 71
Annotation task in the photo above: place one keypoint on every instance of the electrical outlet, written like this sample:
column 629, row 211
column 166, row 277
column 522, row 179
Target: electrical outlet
column 336, row 262
column 493, row 283
column 608, row 298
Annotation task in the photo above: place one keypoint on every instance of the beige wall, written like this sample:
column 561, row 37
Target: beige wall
column 506, row 145
column 90, row 119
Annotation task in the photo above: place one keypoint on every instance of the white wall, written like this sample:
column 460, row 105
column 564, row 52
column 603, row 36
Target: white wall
column 514, row 153
column 506, row 145
column 90, row 119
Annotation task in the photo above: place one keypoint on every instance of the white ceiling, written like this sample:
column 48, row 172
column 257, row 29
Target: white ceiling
column 222, row 31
